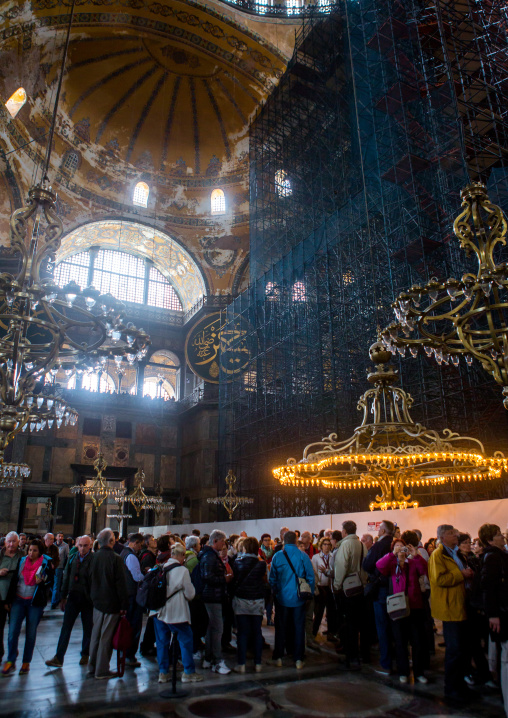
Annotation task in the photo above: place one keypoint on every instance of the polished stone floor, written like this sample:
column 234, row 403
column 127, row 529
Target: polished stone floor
column 320, row 690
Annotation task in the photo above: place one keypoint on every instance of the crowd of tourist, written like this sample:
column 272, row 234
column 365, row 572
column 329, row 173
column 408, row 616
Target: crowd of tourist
column 390, row 591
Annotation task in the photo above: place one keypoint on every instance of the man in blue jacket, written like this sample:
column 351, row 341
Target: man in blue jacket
column 283, row 580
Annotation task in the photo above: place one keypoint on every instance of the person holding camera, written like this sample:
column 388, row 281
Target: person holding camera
column 404, row 566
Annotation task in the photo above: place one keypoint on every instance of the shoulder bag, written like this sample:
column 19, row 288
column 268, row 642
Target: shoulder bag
column 303, row 589
column 352, row 584
column 397, row 605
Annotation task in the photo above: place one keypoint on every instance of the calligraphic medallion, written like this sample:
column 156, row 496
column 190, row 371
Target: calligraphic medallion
column 218, row 350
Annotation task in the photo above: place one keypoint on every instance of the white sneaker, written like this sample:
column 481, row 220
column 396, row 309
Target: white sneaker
column 196, row 656
column 240, row 668
column 221, row 668
column 299, row 665
column 192, row 677
column 403, row 679
column 258, row 667
column 422, row 679
column 163, row 677
column 206, row 664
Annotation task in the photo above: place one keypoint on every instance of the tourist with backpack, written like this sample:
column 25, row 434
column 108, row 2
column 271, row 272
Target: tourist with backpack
column 174, row 617
column 147, row 646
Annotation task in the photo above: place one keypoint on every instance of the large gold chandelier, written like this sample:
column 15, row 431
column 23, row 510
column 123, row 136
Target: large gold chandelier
column 98, row 490
column 467, row 317
column 44, row 327
column 389, row 451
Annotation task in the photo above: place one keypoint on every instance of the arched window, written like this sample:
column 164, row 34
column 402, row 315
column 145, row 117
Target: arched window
column 292, row 6
column 90, row 382
column 282, row 183
column 16, row 102
column 272, row 291
column 218, row 202
column 71, row 161
column 158, row 388
column 126, row 277
column 161, row 375
column 141, row 192
column 299, row 293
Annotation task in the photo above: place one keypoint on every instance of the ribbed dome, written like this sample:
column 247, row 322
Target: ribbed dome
column 165, row 98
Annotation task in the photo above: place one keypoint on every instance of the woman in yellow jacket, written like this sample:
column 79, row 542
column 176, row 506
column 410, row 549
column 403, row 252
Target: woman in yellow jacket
column 448, row 604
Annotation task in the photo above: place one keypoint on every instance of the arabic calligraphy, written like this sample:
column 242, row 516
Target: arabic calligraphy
column 218, row 352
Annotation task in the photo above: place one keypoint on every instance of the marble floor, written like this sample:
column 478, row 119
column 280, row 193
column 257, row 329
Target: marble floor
column 320, row 690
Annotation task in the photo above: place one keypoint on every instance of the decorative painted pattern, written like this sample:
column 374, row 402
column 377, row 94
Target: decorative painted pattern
column 169, row 122
column 218, row 115
column 144, row 113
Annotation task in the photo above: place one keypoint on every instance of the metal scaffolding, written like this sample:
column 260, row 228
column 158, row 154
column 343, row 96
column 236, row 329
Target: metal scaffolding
column 385, row 111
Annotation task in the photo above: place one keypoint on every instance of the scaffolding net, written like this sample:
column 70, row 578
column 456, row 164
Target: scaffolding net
column 386, row 110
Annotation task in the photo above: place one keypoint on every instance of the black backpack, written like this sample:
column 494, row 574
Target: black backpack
column 151, row 593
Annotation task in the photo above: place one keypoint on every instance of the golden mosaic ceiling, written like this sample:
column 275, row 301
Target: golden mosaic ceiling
column 165, row 87
column 159, row 91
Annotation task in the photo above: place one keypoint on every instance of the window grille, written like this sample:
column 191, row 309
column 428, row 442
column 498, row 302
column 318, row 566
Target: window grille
column 141, row 192
column 218, row 202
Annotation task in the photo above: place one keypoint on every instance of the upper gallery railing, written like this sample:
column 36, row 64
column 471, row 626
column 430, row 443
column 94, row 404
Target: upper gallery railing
column 286, row 8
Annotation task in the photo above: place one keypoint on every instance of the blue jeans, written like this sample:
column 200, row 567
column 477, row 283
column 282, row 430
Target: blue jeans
column 291, row 620
column 135, row 618
column 383, row 629
column 20, row 610
column 163, row 633
column 75, row 605
column 57, row 587
column 245, row 625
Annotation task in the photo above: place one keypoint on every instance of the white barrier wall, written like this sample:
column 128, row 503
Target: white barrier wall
column 467, row 517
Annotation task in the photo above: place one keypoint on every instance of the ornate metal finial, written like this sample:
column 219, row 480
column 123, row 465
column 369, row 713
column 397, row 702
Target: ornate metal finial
column 467, row 317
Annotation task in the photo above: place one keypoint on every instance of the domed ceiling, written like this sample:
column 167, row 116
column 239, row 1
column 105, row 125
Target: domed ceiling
column 155, row 91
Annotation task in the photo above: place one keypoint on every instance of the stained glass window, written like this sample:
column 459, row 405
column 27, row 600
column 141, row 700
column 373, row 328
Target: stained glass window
column 161, row 293
column 74, row 269
column 141, row 192
column 299, row 293
column 71, row 161
column 282, row 183
column 120, row 274
column 16, row 102
column 91, row 382
column 218, row 202
column 272, row 291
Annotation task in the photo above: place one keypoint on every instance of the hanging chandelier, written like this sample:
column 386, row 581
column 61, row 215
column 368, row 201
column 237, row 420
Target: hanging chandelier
column 99, row 490
column 119, row 516
column 13, row 475
column 231, row 501
column 467, row 317
column 138, row 498
column 47, row 328
column 388, row 451
column 158, row 505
